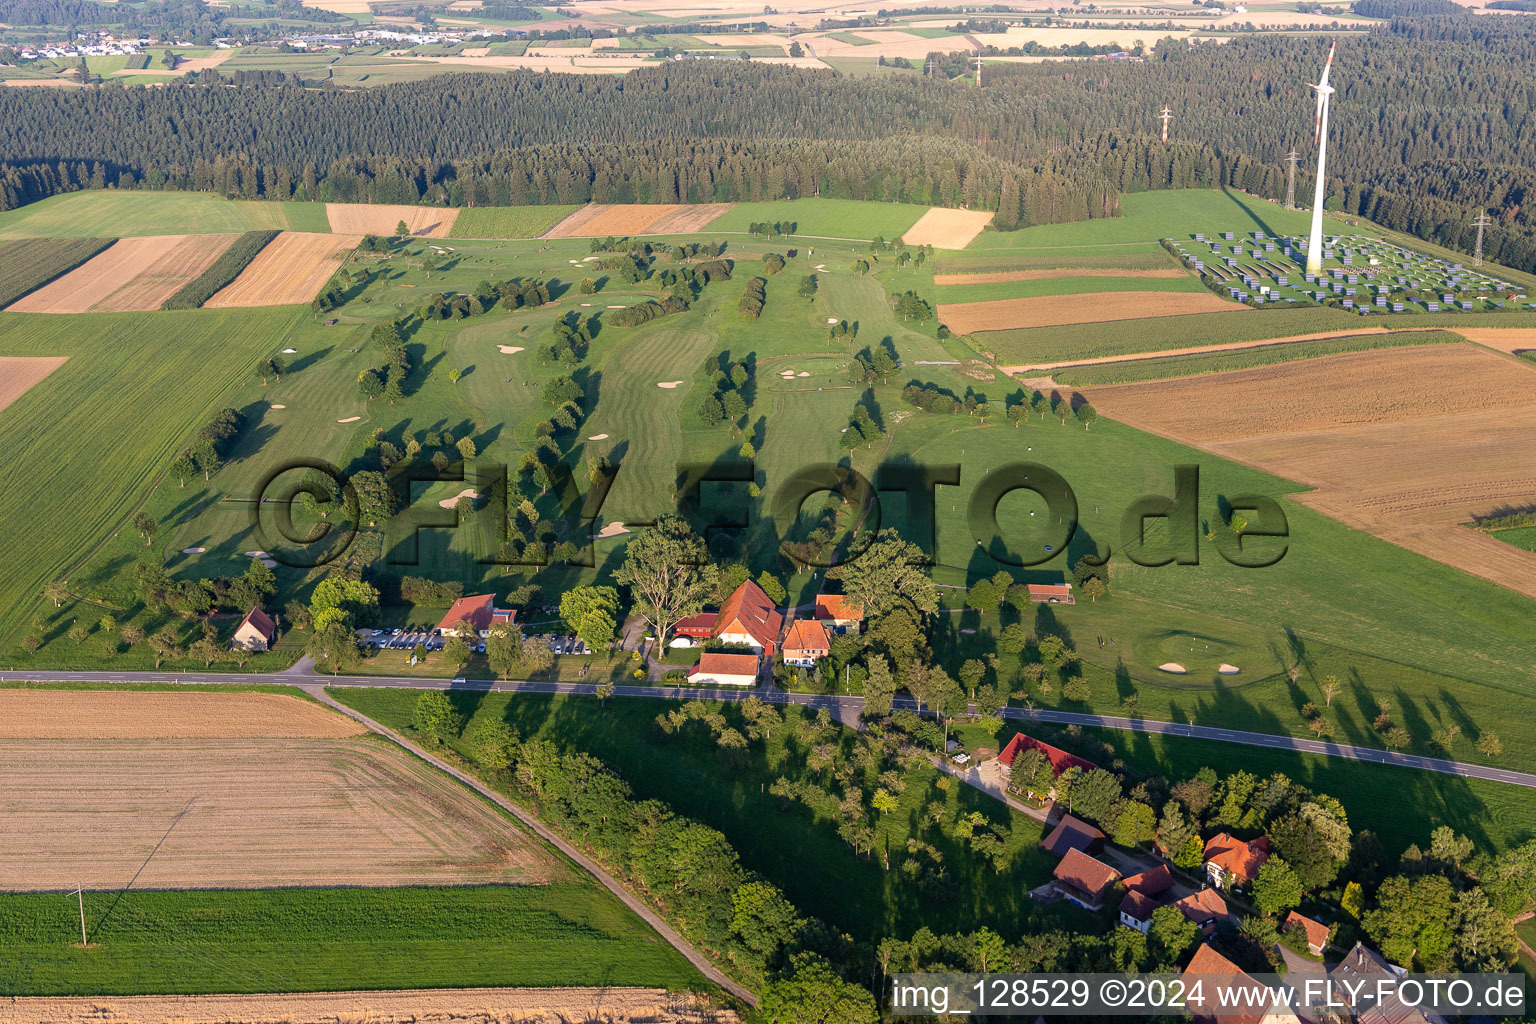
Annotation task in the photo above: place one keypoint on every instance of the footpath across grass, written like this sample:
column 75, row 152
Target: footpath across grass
column 309, row 940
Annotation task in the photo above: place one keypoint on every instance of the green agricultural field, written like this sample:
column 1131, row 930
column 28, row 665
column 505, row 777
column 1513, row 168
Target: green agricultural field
column 1063, row 286
column 307, row 940
column 69, row 478
column 507, row 221
column 28, row 264
column 1241, row 359
column 818, row 219
column 117, row 214
column 1520, row 536
column 865, row 67
column 793, row 849
column 1126, row 256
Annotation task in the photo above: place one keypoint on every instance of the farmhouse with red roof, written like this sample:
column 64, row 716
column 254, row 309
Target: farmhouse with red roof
column 479, row 611
column 1232, row 863
column 749, row 618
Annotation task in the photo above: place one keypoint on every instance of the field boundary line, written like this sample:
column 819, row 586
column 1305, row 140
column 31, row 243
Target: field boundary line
column 1199, row 350
column 649, row 916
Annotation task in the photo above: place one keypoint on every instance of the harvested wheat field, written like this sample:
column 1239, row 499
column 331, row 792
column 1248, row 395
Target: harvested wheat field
column 91, row 283
column 598, row 220
column 1505, row 339
column 1086, row 308
column 194, row 791
column 381, row 219
column 289, row 271
column 947, row 229
column 188, row 257
column 1005, row 276
column 1395, row 442
column 688, row 220
column 20, row 374
column 610, row 1005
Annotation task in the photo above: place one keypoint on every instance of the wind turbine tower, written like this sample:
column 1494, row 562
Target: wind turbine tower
column 1315, row 241
column 1165, row 117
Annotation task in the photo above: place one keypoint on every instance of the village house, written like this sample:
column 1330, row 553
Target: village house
column 748, row 618
column 1060, row 759
column 1083, row 880
column 1361, row 964
column 805, row 643
column 716, row 669
column 1220, row 973
column 1204, row 909
column 1050, row 593
column 256, row 632
column 1143, row 895
column 840, row 615
column 1316, row 932
column 1072, row 834
column 474, row 616
column 1233, row 863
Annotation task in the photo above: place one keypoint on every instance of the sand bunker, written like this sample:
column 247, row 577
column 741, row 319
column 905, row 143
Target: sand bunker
column 803, row 373
column 290, row 351
column 1228, row 670
column 468, row 492
column 510, row 350
column 279, row 407
column 193, row 551
column 598, row 437
column 256, row 554
column 669, row 384
column 618, row 307
column 820, row 266
column 350, row 419
column 831, row 319
column 1173, row 667
column 613, row 529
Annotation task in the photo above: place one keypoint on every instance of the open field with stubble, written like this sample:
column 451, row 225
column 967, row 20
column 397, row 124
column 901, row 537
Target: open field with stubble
column 20, row 374
column 290, row 270
column 133, row 275
column 382, row 219
column 947, row 229
column 1081, row 308
column 31, row 263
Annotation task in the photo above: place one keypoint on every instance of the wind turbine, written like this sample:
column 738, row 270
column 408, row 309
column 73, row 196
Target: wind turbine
column 1320, row 136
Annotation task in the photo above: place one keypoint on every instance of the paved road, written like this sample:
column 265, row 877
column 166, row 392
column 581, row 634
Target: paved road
column 839, row 706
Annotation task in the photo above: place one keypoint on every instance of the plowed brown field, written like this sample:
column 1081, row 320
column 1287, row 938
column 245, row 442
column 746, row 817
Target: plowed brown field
column 1087, row 308
column 291, row 270
column 597, row 220
column 381, row 219
column 20, row 374
column 1004, row 276
column 191, row 790
column 100, row 276
column 688, row 220
column 416, row 1006
column 947, row 229
column 1406, row 444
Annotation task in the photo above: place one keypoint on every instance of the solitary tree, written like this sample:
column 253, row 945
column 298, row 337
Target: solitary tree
column 401, row 229
column 146, row 527
column 1330, row 688
column 435, row 716
column 56, row 591
column 667, row 571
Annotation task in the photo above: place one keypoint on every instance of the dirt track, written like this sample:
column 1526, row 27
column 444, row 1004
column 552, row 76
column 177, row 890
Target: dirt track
column 290, row 271
column 1006, row 276
column 1203, row 349
column 381, row 219
column 1086, row 308
column 598, row 220
column 1406, row 444
column 947, row 229
column 418, row 1006
column 20, row 374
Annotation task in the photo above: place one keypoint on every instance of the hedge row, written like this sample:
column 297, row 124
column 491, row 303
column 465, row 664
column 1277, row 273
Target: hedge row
column 224, row 270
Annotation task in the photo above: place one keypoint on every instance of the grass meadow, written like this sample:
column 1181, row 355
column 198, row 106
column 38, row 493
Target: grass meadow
column 507, row 221
column 1063, row 286
column 308, row 940
column 113, row 214
column 824, row 218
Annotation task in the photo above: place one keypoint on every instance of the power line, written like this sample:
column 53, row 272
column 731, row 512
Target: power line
column 1481, row 222
column 1290, row 180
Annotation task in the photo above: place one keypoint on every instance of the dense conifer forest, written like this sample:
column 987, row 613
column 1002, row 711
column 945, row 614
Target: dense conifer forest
column 1433, row 121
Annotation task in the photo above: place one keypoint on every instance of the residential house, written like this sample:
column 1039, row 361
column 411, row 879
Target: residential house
column 1060, row 759
column 1204, row 908
column 474, row 616
column 806, row 642
column 841, row 615
column 1153, row 882
column 1232, row 863
column 749, row 618
column 1083, row 880
column 1317, row 932
column 1050, row 593
column 1218, row 972
column 716, row 669
column 1072, row 834
column 1136, row 911
column 1363, row 963
column 256, row 632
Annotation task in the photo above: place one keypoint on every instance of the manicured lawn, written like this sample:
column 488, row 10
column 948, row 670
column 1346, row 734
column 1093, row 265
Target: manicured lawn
column 507, row 221
column 113, row 214
column 305, row 940
column 828, row 218
column 795, row 850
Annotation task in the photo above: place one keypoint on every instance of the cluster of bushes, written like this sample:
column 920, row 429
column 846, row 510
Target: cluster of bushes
column 631, row 267
column 930, row 398
column 572, row 336
column 644, row 312
column 373, row 243
column 388, row 379
column 610, row 244
column 1506, row 520
column 337, row 288
column 519, row 293
column 221, row 272
column 753, row 298
column 776, row 229
column 205, row 453
column 861, row 428
column 911, row 306
column 868, row 367
column 420, row 590
column 729, row 384
column 773, row 262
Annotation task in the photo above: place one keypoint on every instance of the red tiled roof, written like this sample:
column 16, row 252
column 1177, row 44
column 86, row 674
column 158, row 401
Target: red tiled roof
column 479, row 609
column 702, row 624
column 749, row 611
column 1071, row 834
column 1201, row 906
column 1081, row 871
column 1060, row 759
column 806, row 637
column 1317, row 932
column 1207, row 961
column 1049, row 590
column 1150, row 883
column 1236, row 857
column 836, row 606
column 261, row 622
column 1138, row 906
column 716, row 664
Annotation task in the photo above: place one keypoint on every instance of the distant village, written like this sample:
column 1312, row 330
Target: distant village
column 105, row 44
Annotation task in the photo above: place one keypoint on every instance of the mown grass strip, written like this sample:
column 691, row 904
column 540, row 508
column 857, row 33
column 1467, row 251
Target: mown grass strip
column 224, row 270
column 28, row 264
